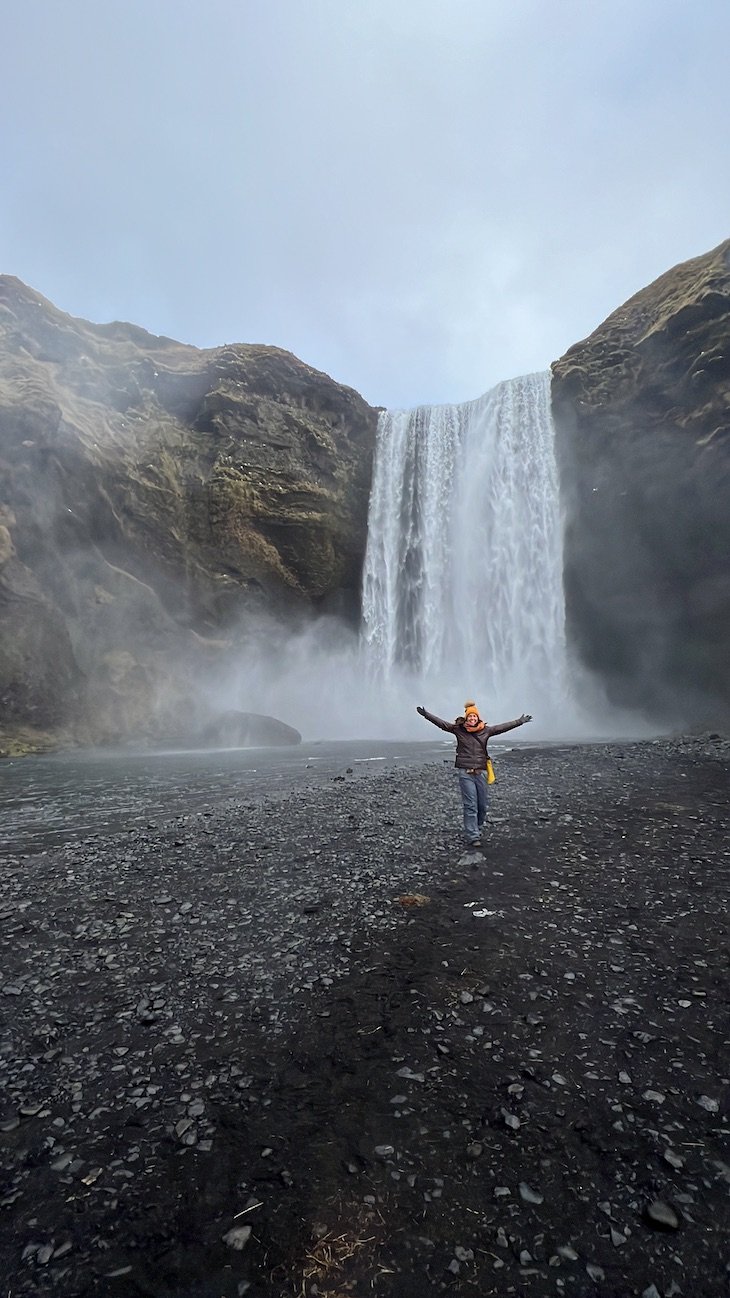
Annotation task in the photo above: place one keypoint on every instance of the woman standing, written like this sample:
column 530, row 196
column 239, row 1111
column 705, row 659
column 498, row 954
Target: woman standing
column 472, row 737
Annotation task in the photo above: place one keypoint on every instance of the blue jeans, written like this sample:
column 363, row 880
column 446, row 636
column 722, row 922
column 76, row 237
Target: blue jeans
column 474, row 795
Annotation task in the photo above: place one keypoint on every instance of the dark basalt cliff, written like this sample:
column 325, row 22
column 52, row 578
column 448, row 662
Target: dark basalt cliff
column 152, row 496
column 642, row 412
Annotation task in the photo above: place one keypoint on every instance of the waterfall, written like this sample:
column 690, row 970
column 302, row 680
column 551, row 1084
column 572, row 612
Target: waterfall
column 462, row 584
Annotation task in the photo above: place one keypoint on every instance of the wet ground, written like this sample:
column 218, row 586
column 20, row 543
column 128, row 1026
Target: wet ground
column 303, row 1043
column 45, row 801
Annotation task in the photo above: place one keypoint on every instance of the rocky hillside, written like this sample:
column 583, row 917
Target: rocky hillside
column 152, row 496
column 642, row 409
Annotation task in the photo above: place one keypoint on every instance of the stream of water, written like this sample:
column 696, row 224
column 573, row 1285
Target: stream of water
column 463, row 578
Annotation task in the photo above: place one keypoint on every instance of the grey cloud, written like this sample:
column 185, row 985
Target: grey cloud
column 420, row 199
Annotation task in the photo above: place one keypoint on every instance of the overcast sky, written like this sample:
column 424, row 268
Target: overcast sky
column 420, row 197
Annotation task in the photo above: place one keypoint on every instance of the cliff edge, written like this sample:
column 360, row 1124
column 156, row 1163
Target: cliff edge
column 642, row 413
column 152, row 496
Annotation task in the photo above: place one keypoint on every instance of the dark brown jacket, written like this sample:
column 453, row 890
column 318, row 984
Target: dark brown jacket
column 471, row 745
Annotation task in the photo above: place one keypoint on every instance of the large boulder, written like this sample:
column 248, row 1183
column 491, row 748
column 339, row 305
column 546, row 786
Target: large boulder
column 642, row 411
column 246, row 730
column 152, row 498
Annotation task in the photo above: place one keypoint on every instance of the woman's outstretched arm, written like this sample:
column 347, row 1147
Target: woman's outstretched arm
column 509, row 725
column 436, row 721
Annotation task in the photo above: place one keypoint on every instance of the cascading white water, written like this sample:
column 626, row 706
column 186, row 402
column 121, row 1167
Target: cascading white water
column 462, row 585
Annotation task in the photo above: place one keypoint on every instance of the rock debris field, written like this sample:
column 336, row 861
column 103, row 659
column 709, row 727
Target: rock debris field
column 310, row 1045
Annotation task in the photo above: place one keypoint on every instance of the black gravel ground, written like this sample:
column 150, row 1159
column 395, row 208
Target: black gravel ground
column 312, row 1046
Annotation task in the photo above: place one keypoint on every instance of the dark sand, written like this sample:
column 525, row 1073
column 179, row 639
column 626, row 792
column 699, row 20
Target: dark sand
column 519, row 1087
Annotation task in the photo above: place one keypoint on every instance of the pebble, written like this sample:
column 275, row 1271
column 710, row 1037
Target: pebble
column 596, row 1273
column 568, row 1253
column 529, row 1195
column 662, row 1216
column 410, row 1076
column 238, row 1237
column 710, row 1105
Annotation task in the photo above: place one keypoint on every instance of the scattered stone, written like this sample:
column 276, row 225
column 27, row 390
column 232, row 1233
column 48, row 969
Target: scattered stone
column 708, row 1104
column 661, row 1215
column 567, row 1252
column 464, row 1254
column 237, row 1238
column 511, row 1120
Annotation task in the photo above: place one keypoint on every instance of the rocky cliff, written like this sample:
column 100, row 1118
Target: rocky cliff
column 153, row 496
column 642, row 410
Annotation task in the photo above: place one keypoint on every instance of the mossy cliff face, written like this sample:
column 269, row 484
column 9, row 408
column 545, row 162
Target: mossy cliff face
column 152, row 497
column 642, row 412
